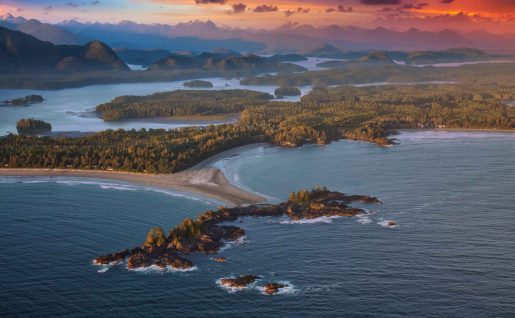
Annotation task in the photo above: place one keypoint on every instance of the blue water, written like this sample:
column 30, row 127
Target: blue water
column 452, row 254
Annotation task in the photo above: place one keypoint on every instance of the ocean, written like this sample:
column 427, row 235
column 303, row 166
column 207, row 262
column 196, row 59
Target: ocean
column 451, row 255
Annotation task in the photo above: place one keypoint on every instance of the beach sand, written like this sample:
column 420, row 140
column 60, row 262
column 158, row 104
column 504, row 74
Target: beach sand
column 206, row 181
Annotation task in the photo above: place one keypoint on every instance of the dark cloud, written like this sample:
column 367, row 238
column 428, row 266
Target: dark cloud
column 380, row 2
column 94, row 3
column 210, row 1
column 238, row 8
column 299, row 10
column 446, row 1
column 72, row 4
column 265, row 8
column 410, row 6
column 339, row 8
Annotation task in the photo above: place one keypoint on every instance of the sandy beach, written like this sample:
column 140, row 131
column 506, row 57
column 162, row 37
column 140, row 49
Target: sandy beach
column 207, row 181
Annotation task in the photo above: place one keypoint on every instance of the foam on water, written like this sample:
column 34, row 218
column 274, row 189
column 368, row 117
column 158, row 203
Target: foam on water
column 161, row 270
column 322, row 219
column 240, row 241
column 118, row 186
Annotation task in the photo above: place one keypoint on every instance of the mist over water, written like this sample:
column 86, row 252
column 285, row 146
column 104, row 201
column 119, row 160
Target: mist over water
column 451, row 255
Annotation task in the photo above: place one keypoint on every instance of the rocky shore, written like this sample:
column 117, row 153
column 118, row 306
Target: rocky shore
column 206, row 235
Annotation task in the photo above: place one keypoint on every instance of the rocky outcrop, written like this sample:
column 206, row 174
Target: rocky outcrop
column 272, row 288
column 239, row 282
column 24, row 101
column 206, row 235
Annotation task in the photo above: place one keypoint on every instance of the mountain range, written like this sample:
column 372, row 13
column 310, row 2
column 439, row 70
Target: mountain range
column 201, row 36
column 26, row 53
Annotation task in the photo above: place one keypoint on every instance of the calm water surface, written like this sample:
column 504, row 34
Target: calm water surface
column 452, row 254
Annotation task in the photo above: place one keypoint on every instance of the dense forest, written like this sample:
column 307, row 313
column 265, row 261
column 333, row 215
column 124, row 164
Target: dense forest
column 324, row 115
column 181, row 103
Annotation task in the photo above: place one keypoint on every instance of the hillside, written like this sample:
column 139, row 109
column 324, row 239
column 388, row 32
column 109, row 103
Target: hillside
column 23, row 52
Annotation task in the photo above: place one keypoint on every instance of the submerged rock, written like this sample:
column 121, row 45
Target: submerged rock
column 220, row 259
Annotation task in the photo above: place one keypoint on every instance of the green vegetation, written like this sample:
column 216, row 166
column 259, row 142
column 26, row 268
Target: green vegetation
column 181, row 103
column 198, row 84
column 155, row 237
column 32, row 126
column 287, row 91
column 307, row 195
column 324, row 115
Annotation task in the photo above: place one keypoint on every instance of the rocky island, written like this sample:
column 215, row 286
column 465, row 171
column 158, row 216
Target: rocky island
column 206, row 235
column 24, row 101
column 198, row 84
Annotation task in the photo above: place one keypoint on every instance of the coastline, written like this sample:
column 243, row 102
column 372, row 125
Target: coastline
column 208, row 182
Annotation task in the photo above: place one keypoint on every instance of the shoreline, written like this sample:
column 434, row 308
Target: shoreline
column 208, row 182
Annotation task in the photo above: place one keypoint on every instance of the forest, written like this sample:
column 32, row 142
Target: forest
column 181, row 103
column 324, row 115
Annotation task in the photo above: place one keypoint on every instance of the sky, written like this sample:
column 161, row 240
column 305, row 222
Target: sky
column 491, row 15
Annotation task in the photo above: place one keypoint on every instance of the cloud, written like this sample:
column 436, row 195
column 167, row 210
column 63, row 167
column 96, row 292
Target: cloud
column 238, row 8
column 72, row 4
column 339, row 8
column 210, row 1
column 94, row 3
column 265, row 8
column 410, row 6
column 299, row 10
column 380, row 2
column 446, row 1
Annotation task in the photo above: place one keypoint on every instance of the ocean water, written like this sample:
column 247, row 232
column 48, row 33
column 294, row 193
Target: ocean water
column 70, row 109
column 451, row 255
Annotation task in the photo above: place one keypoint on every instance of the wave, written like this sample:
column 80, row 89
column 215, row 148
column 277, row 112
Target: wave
column 364, row 219
column 240, row 241
column 427, row 136
column 118, row 186
column 157, row 269
column 322, row 219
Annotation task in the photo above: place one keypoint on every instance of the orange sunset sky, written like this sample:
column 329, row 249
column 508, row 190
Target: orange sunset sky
column 492, row 15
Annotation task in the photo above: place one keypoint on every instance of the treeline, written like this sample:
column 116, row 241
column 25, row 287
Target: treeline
column 351, row 73
column 324, row 115
column 181, row 103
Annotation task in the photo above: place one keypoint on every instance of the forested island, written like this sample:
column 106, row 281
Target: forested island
column 324, row 115
column 32, row 126
column 287, row 91
column 205, row 234
column 181, row 103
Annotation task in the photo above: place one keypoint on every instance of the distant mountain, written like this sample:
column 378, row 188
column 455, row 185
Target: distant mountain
column 23, row 52
column 203, row 36
column 42, row 31
column 224, row 62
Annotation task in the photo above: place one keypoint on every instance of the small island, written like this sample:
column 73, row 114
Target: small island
column 198, row 84
column 205, row 234
column 32, row 126
column 24, row 101
column 287, row 91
